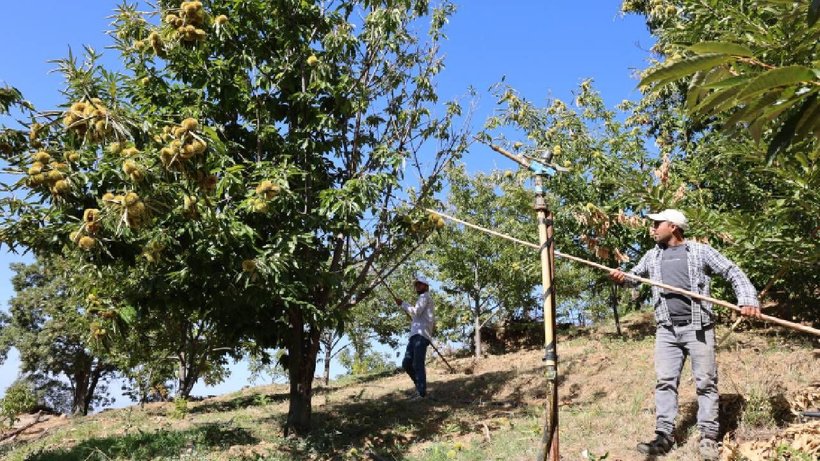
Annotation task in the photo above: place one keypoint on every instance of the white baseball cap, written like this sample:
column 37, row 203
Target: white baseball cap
column 422, row 279
column 674, row 216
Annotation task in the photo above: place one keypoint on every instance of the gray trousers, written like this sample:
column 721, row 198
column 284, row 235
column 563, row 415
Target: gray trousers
column 672, row 346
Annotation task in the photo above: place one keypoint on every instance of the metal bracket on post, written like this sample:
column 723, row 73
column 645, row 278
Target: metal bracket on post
column 550, row 355
column 541, row 169
column 540, row 204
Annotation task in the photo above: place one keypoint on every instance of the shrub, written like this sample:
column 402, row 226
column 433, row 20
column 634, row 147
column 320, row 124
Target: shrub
column 758, row 411
column 20, row 398
column 180, row 408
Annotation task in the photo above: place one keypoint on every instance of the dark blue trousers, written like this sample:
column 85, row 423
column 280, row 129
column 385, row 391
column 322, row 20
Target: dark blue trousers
column 413, row 362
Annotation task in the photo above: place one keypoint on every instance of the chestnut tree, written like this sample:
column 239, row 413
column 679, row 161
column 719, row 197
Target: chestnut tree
column 243, row 170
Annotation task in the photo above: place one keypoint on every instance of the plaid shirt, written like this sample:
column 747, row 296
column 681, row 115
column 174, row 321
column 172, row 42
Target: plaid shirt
column 703, row 262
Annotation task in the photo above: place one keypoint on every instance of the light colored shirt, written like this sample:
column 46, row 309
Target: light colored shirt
column 422, row 316
column 703, row 261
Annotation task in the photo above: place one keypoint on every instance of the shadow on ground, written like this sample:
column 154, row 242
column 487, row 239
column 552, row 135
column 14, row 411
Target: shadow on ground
column 261, row 399
column 154, row 445
column 389, row 424
column 732, row 407
column 362, row 379
column 236, row 403
column 731, row 410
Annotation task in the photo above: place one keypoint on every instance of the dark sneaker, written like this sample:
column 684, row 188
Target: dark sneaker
column 662, row 444
column 709, row 450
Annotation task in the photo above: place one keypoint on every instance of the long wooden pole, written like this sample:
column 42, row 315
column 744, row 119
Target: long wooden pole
column 720, row 302
column 760, row 295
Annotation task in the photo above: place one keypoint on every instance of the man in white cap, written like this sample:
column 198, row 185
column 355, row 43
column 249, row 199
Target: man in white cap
column 421, row 333
column 685, row 326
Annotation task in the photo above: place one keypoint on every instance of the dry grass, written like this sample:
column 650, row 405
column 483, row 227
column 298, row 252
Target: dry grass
column 605, row 391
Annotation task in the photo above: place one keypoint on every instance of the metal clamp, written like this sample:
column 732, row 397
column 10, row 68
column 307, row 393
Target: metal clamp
column 540, row 168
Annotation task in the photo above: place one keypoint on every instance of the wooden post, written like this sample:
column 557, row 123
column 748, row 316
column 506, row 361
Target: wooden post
column 548, row 448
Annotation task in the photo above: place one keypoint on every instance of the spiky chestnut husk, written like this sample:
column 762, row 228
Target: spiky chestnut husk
column 249, row 265
column 137, row 176
column 130, row 152
column 198, row 146
column 59, row 166
column 259, row 205
column 129, row 167
column 91, row 214
column 190, row 124
column 189, row 202
column 86, row 242
column 131, row 198
column 42, row 157
column 267, row 189
column 61, row 187
column 137, row 210
column 37, row 179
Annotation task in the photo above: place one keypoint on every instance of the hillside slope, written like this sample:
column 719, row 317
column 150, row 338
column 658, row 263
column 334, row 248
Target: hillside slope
column 491, row 409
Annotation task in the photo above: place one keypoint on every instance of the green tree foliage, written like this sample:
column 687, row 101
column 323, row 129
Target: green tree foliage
column 754, row 64
column 227, row 179
column 147, row 374
column 605, row 180
column 57, row 335
column 582, row 295
column 733, row 107
column 605, row 175
column 186, row 348
column 487, row 280
column 365, row 362
column 20, row 398
column 329, row 348
column 378, row 318
column 267, row 365
column 9, row 96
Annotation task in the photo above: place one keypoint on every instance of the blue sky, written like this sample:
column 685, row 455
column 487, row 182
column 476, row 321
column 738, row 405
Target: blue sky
column 543, row 48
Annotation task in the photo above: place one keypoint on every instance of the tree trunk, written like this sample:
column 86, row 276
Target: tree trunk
column 79, row 404
column 84, row 383
column 188, row 375
column 477, row 315
column 303, row 347
column 98, row 371
column 477, row 327
column 613, row 301
column 182, row 375
column 326, row 376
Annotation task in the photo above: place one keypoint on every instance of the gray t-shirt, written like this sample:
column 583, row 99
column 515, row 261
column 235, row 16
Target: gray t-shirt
column 675, row 272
